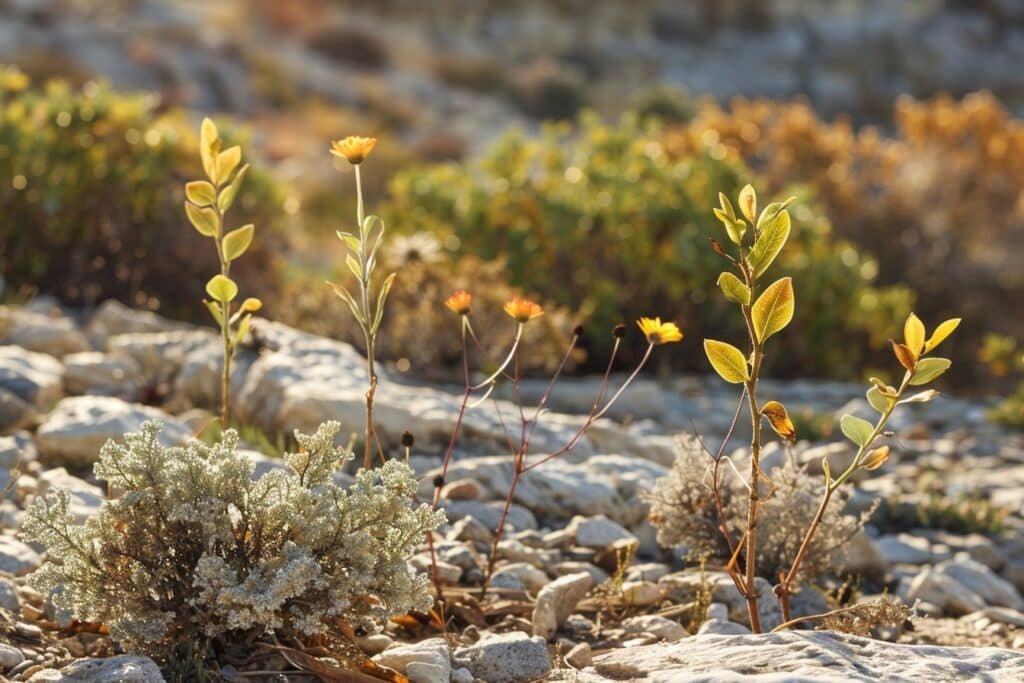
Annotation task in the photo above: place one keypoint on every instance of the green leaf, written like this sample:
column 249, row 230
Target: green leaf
column 226, row 163
column 222, row 288
column 928, row 369
column 748, row 202
column 856, row 429
column 733, row 288
column 385, row 289
column 203, row 219
column 243, row 328
column 228, row 194
column 200, row 192
column 215, row 311
column 354, row 267
column 877, row 401
column 348, row 299
column 772, row 236
column 350, row 240
column 237, row 241
column 209, row 147
column 772, row 211
column 773, row 309
column 727, row 360
column 727, row 206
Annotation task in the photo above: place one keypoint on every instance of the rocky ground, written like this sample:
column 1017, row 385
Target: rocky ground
column 563, row 602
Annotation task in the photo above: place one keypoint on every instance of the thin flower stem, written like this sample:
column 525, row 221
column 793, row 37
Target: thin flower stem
column 508, row 359
column 551, row 385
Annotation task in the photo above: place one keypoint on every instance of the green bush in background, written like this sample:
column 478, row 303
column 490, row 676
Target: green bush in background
column 598, row 216
column 92, row 199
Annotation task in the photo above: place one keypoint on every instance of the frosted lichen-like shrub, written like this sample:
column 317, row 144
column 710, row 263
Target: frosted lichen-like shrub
column 196, row 549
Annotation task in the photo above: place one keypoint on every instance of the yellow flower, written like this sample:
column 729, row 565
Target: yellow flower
column 459, row 302
column 523, row 310
column 353, row 148
column 658, row 332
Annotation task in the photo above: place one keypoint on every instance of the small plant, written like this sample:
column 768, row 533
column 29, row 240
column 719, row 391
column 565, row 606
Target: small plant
column 765, row 314
column 919, row 370
column 522, row 311
column 197, row 551
column 368, row 306
column 758, row 239
column 683, row 507
column 207, row 203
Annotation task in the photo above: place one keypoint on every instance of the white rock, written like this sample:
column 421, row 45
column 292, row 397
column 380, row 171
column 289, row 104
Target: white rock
column 35, row 378
column 159, row 355
column 16, row 557
column 54, row 333
column 520, row 576
column 104, row 374
column 905, row 549
column 512, row 657
column 113, row 318
column 819, row 656
column 962, row 585
column 432, row 651
column 579, row 656
column 425, row 672
column 10, row 657
column 718, row 610
column 462, row 675
column 598, row 532
column 722, row 628
column 656, row 625
column 9, row 599
column 118, row 669
column 557, row 600
column 863, row 556
column 640, row 593
column 76, row 429
column 309, row 379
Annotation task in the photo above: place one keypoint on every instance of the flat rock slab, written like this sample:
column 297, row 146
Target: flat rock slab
column 798, row 656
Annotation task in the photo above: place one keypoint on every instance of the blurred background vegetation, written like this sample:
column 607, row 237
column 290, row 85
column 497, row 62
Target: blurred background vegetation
column 568, row 150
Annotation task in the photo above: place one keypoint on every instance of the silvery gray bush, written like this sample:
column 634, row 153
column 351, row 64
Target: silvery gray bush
column 195, row 548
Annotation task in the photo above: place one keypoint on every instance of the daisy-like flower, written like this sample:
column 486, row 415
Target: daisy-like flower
column 459, row 302
column 354, row 148
column 523, row 310
column 658, row 332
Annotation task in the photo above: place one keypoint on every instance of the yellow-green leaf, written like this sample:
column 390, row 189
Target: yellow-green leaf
column 727, row 360
column 727, row 206
column 203, row 219
column 348, row 299
column 243, row 328
column 913, row 334
column 856, row 429
column 748, row 203
column 215, row 311
column 350, row 240
column 237, row 241
column 772, row 236
column 928, row 369
column 733, row 288
column 877, row 401
column 226, row 163
column 773, row 309
column 941, row 332
column 382, row 298
column 228, row 194
column 354, row 266
column 200, row 192
column 222, row 288
column 209, row 147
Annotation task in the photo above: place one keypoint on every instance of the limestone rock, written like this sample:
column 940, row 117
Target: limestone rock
column 506, row 658
column 557, row 600
column 76, row 429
